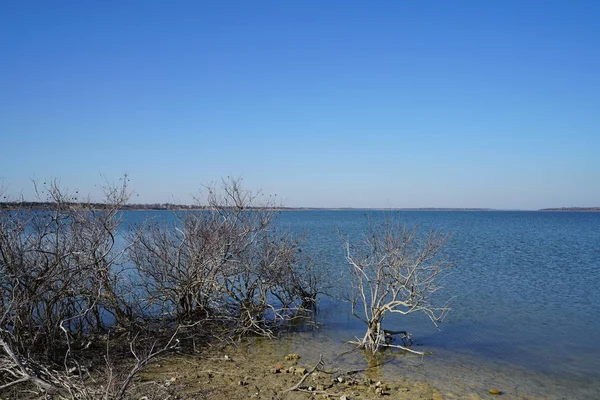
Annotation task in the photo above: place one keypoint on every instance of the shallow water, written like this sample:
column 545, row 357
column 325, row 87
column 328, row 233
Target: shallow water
column 457, row 375
column 524, row 296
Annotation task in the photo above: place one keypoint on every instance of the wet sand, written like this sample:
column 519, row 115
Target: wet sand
column 246, row 370
column 261, row 370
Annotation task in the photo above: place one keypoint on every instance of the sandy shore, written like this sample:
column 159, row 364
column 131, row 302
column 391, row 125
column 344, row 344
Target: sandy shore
column 260, row 369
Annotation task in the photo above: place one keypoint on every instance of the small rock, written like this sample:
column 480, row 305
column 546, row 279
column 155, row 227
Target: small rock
column 311, row 389
column 494, row 391
column 300, row 371
column 226, row 358
column 379, row 391
column 170, row 381
column 292, row 356
column 340, row 379
column 290, row 370
column 344, row 397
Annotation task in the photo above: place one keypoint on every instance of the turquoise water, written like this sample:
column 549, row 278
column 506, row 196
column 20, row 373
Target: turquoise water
column 524, row 295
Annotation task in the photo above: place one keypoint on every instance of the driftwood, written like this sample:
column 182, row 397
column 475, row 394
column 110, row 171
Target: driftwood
column 406, row 349
column 297, row 385
column 420, row 353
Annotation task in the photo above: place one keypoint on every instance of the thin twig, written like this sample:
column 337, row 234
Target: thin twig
column 296, row 386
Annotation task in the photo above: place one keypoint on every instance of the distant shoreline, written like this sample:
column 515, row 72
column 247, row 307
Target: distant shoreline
column 573, row 209
column 183, row 207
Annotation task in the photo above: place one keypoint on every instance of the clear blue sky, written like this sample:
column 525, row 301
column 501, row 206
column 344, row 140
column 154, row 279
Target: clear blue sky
column 324, row 103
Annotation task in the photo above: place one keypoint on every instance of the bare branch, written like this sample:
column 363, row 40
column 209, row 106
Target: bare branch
column 395, row 270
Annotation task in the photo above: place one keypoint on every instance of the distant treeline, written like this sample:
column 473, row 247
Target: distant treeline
column 578, row 209
column 41, row 205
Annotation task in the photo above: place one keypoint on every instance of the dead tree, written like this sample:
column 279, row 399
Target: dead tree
column 395, row 270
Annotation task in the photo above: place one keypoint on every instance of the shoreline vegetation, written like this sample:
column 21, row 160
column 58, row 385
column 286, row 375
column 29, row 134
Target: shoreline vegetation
column 37, row 205
column 86, row 309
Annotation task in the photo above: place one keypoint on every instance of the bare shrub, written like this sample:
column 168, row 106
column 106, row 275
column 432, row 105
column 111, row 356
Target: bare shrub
column 395, row 270
column 78, row 293
column 222, row 264
column 61, row 289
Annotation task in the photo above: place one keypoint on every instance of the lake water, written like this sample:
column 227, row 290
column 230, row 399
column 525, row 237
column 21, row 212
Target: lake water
column 524, row 295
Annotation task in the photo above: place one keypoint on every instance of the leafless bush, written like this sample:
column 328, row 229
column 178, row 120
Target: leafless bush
column 58, row 267
column 77, row 292
column 60, row 288
column 395, row 270
column 225, row 263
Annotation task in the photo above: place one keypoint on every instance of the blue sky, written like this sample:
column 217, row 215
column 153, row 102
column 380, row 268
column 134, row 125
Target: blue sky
column 324, row 103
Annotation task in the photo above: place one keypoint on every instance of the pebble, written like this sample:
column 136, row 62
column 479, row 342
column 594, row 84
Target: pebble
column 494, row 391
column 277, row 369
column 168, row 382
column 300, row 371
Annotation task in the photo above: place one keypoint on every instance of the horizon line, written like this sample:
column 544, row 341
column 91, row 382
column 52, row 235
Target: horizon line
column 173, row 206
